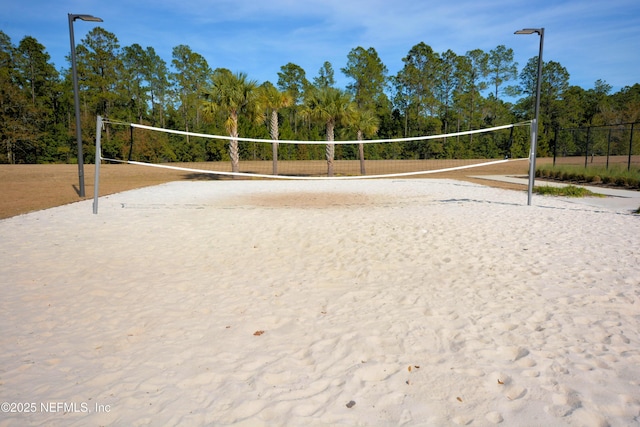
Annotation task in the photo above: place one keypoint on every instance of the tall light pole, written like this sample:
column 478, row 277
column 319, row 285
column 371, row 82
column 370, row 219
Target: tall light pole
column 76, row 96
column 534, row 126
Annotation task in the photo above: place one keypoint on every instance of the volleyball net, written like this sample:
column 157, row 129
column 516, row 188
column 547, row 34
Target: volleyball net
column 241, row 157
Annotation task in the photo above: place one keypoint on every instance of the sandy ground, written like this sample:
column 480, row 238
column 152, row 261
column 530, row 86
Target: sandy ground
column 27, row 188
column 378, row 303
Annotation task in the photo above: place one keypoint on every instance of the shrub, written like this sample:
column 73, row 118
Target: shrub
column 633, row 183
column 568, row 191
column 598, row 174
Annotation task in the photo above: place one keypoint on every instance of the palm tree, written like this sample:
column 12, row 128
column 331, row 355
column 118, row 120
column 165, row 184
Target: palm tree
column 365, row 123
column 272, row 100
column 230, row 94
column 331, row 106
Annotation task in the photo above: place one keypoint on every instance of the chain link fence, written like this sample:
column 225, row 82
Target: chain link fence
column 598, row 145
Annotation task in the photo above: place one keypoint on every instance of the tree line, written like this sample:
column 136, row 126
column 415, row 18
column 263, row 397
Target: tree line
column 433, row 93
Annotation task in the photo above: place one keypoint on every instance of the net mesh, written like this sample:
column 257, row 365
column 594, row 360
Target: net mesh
column 294, row 159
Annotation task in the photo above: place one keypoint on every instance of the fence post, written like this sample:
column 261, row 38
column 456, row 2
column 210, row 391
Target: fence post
column 555, row 146
column 130, row 142
column 586, row 150
column 608, row 147
column 630, row 148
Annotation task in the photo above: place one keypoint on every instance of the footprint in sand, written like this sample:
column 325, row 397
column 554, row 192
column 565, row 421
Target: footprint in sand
column 565, row 401
column 462, row 420
column 494, row 417
column 512, row 354
column 514, row 392
column 503, row 383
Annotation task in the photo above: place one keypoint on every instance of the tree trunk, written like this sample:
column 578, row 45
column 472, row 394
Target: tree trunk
column 275, row 158
column 233, row 144
column 330, row 149
column 361, row 153
column 10, row 157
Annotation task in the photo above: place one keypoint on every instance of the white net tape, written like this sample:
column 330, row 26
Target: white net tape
column 477, row 163
column 364, row 141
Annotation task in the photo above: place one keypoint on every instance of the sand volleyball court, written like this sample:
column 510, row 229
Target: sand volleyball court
column 374, row 303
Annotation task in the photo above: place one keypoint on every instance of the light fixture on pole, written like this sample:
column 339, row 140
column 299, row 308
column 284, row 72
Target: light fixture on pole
column 534, row 125
column 76, row 96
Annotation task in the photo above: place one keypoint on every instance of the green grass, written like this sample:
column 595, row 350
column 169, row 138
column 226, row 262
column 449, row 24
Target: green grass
column 568, row 191
column 615, row 176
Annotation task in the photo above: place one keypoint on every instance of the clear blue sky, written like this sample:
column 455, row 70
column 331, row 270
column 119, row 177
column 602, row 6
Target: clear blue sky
column 592, row 39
